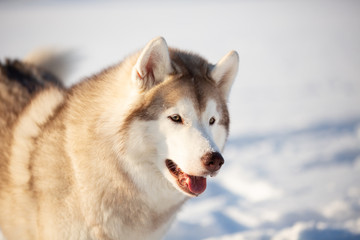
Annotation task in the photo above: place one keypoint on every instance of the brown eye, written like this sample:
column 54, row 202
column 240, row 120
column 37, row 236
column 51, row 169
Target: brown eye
column 176, row 118
column 212, row 121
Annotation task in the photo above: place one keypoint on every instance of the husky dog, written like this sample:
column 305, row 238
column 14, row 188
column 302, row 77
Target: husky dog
column 116, row 155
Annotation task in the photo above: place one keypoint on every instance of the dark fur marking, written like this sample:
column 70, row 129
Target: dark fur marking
column 30, row 77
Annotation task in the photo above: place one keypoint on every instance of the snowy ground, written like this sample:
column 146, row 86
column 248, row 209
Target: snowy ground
column 293, row 158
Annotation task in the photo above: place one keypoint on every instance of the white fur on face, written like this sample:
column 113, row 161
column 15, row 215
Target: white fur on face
column 185, row 143
column 217, row 131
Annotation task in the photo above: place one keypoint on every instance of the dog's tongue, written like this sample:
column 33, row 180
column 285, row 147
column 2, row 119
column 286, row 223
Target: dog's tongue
column 196, row 185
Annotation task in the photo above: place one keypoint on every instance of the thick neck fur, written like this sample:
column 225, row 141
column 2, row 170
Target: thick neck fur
column 95, row 142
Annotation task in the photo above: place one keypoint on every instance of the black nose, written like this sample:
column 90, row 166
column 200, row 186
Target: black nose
column 212, row 161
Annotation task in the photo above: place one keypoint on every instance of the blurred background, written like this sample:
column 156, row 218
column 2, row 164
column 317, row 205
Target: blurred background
column 292, row 166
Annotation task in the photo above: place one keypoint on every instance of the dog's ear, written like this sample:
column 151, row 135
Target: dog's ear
column 152, row 65
column 224, row 72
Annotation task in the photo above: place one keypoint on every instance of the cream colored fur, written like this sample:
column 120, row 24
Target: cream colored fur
column 89, row 162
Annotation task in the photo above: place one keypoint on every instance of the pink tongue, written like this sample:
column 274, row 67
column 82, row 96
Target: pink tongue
column 196, row 185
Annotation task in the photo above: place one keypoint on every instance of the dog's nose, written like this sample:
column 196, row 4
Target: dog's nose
column 212, row 161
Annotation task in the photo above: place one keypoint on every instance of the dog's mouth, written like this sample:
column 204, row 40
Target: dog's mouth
column 193, row 185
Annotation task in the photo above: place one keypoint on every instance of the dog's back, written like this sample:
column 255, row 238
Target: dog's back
column 19, row 83
column 21, row 80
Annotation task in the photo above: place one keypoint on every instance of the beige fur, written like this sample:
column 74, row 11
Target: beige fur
column 74, row 163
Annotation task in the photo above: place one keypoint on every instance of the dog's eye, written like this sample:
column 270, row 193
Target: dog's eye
column 176, row 118
column 212, row 121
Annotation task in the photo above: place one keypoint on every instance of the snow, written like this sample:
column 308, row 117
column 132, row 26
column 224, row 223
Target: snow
column 292, row 167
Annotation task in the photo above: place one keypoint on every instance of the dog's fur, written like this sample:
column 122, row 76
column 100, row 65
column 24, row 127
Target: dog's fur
column 115, row 156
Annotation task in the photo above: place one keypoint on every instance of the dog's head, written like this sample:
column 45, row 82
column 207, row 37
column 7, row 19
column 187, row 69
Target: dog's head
column 181, row 116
